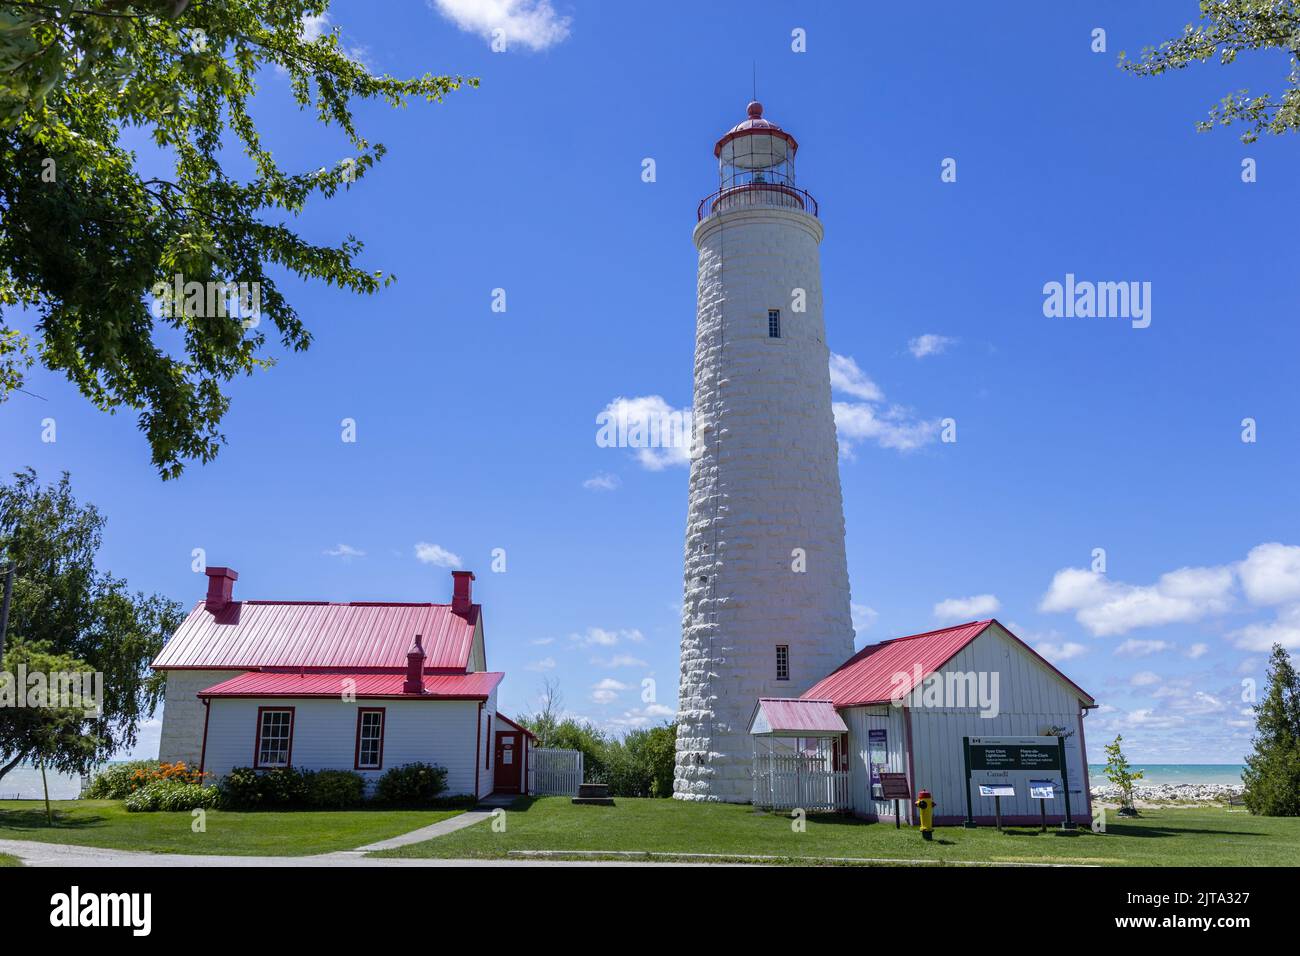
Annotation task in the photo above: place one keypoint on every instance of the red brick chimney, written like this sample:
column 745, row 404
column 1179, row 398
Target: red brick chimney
column 221, row 586
column 461, row 591
column 414, row 683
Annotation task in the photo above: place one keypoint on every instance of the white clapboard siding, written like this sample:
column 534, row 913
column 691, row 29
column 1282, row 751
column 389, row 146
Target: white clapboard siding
column 440, row 732
column 1032, row 698
column 554, row 772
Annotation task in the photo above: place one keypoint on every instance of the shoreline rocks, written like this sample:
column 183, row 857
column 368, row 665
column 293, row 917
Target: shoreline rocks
column 1178, row 792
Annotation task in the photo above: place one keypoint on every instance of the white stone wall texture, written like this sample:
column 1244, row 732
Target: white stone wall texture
column 764, row 482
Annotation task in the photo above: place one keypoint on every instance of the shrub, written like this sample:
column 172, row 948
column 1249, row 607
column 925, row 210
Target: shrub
column 170, row 796
column 335, row 789
column 241, row 789
column 284, row 787
column 412, row 784
column 118, row 781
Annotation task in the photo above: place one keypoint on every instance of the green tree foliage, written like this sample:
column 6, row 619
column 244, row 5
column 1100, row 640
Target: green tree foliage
column 1272, row 774
column 1119, row 773
column 638, row 765
column 68, row 615
column 87, row 238
column 1226, row 28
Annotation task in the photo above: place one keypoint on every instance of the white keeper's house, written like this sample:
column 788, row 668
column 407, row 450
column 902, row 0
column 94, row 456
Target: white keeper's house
column 361, row 686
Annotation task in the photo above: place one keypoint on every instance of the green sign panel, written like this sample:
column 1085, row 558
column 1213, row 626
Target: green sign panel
column 1011, row 754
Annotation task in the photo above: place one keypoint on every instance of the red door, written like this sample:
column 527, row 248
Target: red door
column 509, row 761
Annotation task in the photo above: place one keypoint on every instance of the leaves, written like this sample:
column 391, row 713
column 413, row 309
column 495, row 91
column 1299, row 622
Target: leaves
column 85, row 238
column 1228, row 27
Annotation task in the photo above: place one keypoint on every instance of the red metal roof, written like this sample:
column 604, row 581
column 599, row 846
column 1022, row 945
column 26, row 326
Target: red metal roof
column 801, row 717
column 476, row 686
column 889, row 670
column 251, row 634
column 516, row 725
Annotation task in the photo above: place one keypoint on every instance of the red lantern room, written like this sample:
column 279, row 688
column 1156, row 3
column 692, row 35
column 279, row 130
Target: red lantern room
column 756, row 168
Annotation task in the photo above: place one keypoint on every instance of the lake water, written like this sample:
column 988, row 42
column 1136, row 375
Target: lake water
column 1154, row 774
column 24, row 783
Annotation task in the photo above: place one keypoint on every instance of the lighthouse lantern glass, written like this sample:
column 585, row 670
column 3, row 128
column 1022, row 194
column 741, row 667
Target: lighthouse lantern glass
column 756, row 157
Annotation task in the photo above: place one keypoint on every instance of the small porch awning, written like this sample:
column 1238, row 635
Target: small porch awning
column 786, row 717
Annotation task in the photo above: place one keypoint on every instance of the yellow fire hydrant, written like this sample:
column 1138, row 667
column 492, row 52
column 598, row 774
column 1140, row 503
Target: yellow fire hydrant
column 925, row 804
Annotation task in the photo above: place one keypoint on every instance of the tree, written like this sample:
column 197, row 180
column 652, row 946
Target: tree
column 98, row 248
column 1227, row 28
column 1117, row 770
column 69, row 616
column 1272, row 774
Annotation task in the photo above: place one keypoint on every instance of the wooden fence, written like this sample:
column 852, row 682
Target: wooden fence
column 790, row 781
column 554, row 772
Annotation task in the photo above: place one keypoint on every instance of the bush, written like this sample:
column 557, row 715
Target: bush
column 412, row 784
column 171, row 797
column 119, row 781
column 241, row 789
column 641, row 764
column 335, row 789
column 284, row 787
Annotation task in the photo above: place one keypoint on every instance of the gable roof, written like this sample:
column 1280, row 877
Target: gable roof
column 477, row 686
column 872, row 675
column 316, row 634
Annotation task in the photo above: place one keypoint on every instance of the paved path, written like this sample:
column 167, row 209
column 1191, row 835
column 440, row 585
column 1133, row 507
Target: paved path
column 460, row 821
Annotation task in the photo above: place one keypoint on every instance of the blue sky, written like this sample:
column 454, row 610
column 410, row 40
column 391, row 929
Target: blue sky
column 476, row 429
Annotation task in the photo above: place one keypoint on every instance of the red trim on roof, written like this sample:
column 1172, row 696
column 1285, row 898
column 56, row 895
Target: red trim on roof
column 501, row 716
column 388, row 686
column 891, row 669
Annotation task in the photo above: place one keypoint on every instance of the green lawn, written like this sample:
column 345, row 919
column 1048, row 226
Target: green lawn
column 104, row 823
column 7, row 860
column 1166, row 837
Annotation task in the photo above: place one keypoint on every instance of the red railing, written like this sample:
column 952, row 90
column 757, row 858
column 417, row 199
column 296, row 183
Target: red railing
column 757, row 194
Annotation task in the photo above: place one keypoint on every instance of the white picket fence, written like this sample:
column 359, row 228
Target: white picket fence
column 554, row 772
column 787, row 781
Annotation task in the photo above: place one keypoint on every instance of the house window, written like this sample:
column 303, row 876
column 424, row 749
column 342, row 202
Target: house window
column 274, row 738
column 370, row 738
column 773, row 323
column 783, row 662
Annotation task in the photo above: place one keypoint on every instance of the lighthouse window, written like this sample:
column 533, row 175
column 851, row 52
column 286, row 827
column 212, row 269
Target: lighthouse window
column 773, row 323
column 783, row 662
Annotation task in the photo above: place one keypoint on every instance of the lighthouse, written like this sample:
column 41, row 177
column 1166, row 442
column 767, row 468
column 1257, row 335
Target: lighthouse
column 766, row 590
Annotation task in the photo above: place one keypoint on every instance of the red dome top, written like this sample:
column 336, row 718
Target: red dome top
column 755, row 125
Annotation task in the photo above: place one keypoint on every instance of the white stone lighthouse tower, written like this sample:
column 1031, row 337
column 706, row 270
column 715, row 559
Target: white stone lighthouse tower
column 766, row 610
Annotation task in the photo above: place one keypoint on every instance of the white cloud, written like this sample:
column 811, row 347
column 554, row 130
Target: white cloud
column 607, row 690
column 1144, row 679
column 543, row 641
column 929, row 344
column 863, row 616
column 620, row 660
column 602, row 481
column 1136, row 648
column 846, row 377
column 545, row 664
column 1197, row 651
column 344, row 551
column 658, row 434
column 1284, row 630
column 600, row 637
column 534, row 23
column 436, row 554
column 1063, row 651
column 889, row 426
column 960, row 609
column 1107, row 607
column 638, row 718
column 1271, row 574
